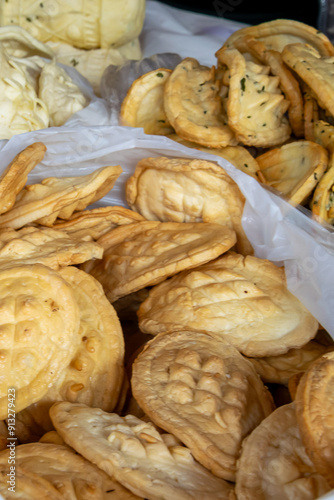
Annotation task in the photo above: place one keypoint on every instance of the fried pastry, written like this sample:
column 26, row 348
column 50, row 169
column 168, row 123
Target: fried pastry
column 96, row 222
column 39, row 332
column 274, row 463
column 313, row 69
column 239, row 156
column 14, row 177
column 145, row 253
column 143, row 105
column 294, row 169
column 134, row 453
column 44, row 245
column 27, row 485
column 203, row 391
column 255, row 104
column 94, row 374
column 185, row 190
column 59, row 197
column 314, row 407
column 69, row 473
column 278, row 33
column 193, row 105
column 242, row 299
column 279, row 369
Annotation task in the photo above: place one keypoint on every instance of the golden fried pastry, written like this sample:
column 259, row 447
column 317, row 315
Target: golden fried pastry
column 143, row 105
column 14, row 177
column 52, row 437
column 287, row 81
column 51, row 247
column 294, row 169
column 255, row 104
column 26, row 485
column 94, row 374
column 242, row 299
column 313, row 69
column 39, row 332
column 134, row 453
column 185, row 190
column 145, row 253
column 96, row 222
column 69, row 473
column 237, row 155
column 279, row 369
column 274, row 463
column 203, row 391
column 3, row 435
column 278, row 33
column 59, row 197
column 311, row 116
column 193, row 105
column 315, row 414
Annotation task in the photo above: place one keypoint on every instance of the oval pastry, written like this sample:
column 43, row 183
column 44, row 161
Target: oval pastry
column 203, row 391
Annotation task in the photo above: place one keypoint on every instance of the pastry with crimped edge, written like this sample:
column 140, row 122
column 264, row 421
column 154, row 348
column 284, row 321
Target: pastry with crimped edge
column 94, row 373
column 294, row 169
column 187, row 190
column 311, row 115
column 39, row 332
column 314, row 406
column 278, row 33
column 322, row 202
column 193, row 105
column 151, row 464
column 287, row 82
column 239, row 156
column 255, row 106
column 145, row 253
column 143, row 105
column 279, row 369
column 96, row 222
column 242, row 299
column 44, row 245
column 59, row 197
column 203, row 391
column 274, row 462
column 70, row 474
column 313, row 69
column 15, row 176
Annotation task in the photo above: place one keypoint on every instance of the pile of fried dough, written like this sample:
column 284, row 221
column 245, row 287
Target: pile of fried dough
column 267, row 107
column 145, row 351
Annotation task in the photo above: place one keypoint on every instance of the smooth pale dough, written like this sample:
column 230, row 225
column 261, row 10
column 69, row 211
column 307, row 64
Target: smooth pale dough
column 39, row 332
column 244, row 299
column 203, row 391
column 133, row 452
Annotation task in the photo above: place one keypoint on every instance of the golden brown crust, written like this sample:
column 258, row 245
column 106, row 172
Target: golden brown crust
column 203, row 391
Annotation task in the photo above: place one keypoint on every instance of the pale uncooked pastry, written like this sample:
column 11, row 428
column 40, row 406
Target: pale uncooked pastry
column 15, row 175
column 134, row 453
column 274, row 462
column 94, row 374
column 61, row 95
column 74, row 477
column 315, row 415
column 145, row 253
column 52, row 247
column 39, row 332
column 203, row 391
column 244, row 299
column 81, row 24
column 187, row 190
column 59, row 197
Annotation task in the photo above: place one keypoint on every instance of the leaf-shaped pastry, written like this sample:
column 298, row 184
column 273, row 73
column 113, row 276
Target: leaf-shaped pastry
column 203, row 391
column 244, row 299
column 255, row 105
column 59, row 197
